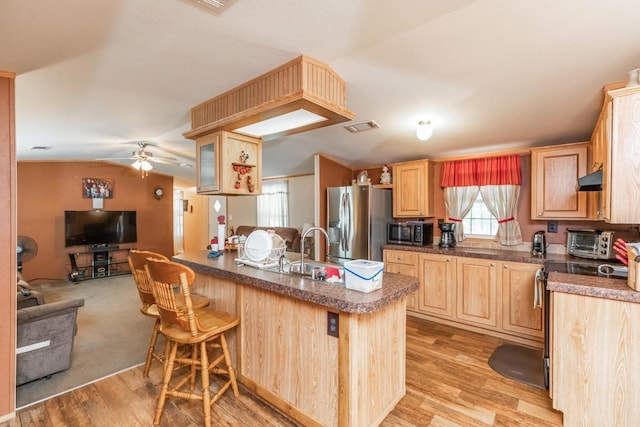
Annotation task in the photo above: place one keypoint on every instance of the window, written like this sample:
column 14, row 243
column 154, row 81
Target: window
column 273, row 204
column 479, row 221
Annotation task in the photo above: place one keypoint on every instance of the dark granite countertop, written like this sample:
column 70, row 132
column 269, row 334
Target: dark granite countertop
column 336, row 296
column 486, row 253
column 592, row 286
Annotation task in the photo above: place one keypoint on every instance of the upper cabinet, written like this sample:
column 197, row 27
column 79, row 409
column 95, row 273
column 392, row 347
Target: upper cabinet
column 554, row 182
column 616, row 149
column 229, row 163
column 412, row 195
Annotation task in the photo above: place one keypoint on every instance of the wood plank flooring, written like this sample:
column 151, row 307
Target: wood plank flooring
column 448, row 384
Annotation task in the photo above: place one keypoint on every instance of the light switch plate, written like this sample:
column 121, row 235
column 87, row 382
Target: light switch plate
column 552, row 226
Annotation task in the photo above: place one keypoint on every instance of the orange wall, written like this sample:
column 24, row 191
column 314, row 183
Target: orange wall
column 47, row 189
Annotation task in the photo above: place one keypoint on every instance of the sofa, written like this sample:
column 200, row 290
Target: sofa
column 45, row 334
column 290, row 235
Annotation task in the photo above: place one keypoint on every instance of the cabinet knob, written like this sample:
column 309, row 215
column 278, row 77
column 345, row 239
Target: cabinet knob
column 506, row 267
column 493, row 265
column 539, row 213
column 448, row 260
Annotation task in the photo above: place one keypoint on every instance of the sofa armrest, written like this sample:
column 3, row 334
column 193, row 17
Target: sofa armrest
column 45, row 335
column 47, row 311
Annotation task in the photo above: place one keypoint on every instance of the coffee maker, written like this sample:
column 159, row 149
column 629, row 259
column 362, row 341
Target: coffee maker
column 539, row 246
column 447, row 234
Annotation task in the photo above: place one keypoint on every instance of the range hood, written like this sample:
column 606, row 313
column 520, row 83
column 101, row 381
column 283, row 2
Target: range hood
column 591, row 182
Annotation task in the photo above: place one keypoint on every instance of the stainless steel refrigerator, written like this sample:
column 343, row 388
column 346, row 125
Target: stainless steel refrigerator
column 357, row 218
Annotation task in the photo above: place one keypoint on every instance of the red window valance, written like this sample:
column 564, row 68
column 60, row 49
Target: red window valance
column 501, row 170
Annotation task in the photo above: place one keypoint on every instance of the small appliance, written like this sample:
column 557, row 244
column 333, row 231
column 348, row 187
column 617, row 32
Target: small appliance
column 416, row 233
column 591, row 244
column 447, row 234
column 539, row 244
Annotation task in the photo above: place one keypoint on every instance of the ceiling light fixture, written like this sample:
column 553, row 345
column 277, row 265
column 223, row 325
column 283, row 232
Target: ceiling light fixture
column 362, row 126
column 298, row 96
column 424, row 130
column 143, row 165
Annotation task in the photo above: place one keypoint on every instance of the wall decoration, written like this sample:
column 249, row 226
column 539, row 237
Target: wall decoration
column 95, row 188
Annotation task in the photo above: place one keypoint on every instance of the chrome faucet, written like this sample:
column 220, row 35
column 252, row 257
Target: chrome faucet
column 309, row 230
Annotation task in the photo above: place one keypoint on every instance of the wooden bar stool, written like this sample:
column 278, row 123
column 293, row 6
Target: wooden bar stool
column 196, row 327
column 137, row 261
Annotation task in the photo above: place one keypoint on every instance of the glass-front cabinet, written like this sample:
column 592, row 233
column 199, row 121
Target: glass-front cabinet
column 208, row 156
column 229, row 163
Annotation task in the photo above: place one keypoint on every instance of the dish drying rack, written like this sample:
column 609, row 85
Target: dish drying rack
column 278, row 249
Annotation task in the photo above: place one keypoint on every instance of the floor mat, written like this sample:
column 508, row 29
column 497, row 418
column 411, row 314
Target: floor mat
column 519, row 363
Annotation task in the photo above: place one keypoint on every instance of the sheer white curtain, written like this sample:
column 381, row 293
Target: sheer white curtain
column 458, row 201
column 502, row 202
column 273, row 204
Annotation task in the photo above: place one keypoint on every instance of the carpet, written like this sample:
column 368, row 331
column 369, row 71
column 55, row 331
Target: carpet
column 519, row 363
column 112, row 335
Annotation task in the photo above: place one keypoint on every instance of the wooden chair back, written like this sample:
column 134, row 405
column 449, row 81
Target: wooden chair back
column 137, row 260
column 163, row 276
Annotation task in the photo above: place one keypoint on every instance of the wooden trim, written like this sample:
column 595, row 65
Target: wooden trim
column 7, row 74
column 272, row 178
column 303, row 83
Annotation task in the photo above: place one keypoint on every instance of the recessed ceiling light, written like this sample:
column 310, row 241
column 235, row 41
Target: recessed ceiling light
column 362, row 126
column 41, row 147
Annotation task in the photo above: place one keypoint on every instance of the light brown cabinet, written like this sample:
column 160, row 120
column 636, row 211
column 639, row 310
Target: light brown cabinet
column 229, row 163
column 554, row 182
column 403, row 262
column 478, row 294
column 412, row 195
column 616, row 149
column 438, row 285
column 477, row 286
column 518, row 312
column 595, row 354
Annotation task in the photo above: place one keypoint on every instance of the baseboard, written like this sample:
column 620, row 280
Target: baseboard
column 7, row 417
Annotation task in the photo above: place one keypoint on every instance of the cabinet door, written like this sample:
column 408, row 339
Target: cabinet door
column 403, row 262
column 554, row 180
column 518, row 314
column 438, row 284
column 600, row 144
column 241, row 164
column 412, row 190
column 624, row 185
column 208, row 163
column 477, row 291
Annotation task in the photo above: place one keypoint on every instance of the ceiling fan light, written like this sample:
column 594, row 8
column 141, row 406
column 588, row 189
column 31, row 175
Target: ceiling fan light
column 136, row 165
column 424, row 130
column 146, row 166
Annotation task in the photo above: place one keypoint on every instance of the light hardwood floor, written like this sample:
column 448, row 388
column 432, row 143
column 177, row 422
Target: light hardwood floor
column 448, row 384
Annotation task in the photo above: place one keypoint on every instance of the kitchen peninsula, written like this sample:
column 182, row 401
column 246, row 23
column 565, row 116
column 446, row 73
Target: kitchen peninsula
column 285, row 350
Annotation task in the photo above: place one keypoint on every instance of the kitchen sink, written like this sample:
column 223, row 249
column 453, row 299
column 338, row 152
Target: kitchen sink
column 324, row 272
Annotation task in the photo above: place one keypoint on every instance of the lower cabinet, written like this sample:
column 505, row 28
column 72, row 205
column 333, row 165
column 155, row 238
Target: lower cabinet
column 484, row 295
column 477, row 288
column 437, row 284
column 518, row 314
column 406, row 263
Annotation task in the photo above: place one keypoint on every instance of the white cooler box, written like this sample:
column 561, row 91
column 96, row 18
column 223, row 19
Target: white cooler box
column 363, row 275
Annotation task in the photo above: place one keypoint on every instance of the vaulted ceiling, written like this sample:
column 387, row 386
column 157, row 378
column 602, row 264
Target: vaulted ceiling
column 96, row 76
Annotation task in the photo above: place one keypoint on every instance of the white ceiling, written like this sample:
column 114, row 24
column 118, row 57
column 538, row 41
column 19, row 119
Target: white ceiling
column 93, row 76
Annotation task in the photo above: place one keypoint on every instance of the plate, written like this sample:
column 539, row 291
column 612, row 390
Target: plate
column 258, row 245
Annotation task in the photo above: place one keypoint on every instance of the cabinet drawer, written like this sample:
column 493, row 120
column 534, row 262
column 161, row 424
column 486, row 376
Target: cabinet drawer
column 401, row 257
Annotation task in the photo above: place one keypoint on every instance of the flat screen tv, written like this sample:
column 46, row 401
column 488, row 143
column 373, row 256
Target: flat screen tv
column 98, row 227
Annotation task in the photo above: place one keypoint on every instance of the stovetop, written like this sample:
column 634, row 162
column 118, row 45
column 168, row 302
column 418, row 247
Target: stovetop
column 587, row 268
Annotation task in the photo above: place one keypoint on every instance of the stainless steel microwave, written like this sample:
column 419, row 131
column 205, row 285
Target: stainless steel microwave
column 416, row 233
column 593, row 244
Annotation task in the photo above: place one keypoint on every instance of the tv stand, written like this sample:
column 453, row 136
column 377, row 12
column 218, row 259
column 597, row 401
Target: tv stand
column 98, row 261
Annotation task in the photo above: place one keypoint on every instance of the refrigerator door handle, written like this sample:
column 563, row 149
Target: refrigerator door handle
column 349, row 221
column 342, row 221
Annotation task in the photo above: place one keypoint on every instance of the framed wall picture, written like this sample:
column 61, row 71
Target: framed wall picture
column 95, row 188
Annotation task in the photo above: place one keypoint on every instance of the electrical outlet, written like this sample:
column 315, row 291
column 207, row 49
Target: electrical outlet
column 552, row 226
column 332, row 324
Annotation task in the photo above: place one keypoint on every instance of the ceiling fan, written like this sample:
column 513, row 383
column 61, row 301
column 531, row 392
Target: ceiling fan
column 142, row 159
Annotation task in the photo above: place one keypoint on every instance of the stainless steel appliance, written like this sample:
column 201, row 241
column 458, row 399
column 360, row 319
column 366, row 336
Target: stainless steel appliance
column 447, row 234
column 357, row 218
column 415, row 233
column 543, row 295
column 593, row 244
column 539, row 244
